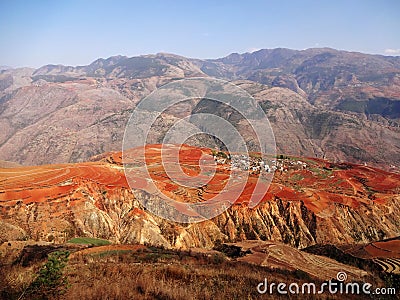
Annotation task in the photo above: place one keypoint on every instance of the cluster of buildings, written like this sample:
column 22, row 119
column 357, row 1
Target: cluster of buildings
column 255, row 164
column 284, row 165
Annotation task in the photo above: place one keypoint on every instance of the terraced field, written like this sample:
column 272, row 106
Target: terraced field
column 384, row 253
column 280, row 256
column 323, row 202
column 389, row 265
column 320, row 185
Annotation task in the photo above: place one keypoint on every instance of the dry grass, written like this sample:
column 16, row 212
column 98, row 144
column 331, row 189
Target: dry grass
column 15, row 279
column 154, row 273
column 161, row 281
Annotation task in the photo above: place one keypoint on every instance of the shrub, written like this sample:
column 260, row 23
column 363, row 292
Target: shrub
column 217, row 258
column 50, row 280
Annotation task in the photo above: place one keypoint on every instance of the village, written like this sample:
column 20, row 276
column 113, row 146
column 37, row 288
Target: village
column 255, row 164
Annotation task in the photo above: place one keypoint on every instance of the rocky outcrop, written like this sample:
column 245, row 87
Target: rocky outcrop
column 120, row 218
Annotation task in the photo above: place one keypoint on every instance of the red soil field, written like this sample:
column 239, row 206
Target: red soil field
column 318, row 186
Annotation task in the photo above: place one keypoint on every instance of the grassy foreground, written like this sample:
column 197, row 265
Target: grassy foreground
column 140, row 272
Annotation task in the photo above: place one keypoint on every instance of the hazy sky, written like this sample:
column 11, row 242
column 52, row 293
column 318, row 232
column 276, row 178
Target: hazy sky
column 35, row 33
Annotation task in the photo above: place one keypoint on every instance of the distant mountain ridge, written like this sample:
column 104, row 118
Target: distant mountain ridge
column 321, row 102
column 126, row 67
column 312, row 73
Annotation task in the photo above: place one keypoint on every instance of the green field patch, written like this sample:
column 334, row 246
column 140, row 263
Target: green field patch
column 321, row 172
column 111, row 253
column 89, row 241
column 297, row 177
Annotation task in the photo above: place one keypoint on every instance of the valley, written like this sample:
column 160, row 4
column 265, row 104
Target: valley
column 328, row 199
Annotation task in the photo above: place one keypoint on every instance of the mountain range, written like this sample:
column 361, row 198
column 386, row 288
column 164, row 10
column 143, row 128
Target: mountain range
column 343, row 106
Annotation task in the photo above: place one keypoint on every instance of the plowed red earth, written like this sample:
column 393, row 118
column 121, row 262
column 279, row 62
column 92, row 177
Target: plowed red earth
column 381, row 249
column 42, row 183
column 318, row 186
column 280, row 256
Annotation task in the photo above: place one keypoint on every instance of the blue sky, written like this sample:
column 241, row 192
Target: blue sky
column 35, row 33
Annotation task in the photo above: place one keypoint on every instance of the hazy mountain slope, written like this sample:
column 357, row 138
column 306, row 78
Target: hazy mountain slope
column 321, row 102
column 303, row 129
column 64, row 117
column 333, row 79
column 61, row 123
